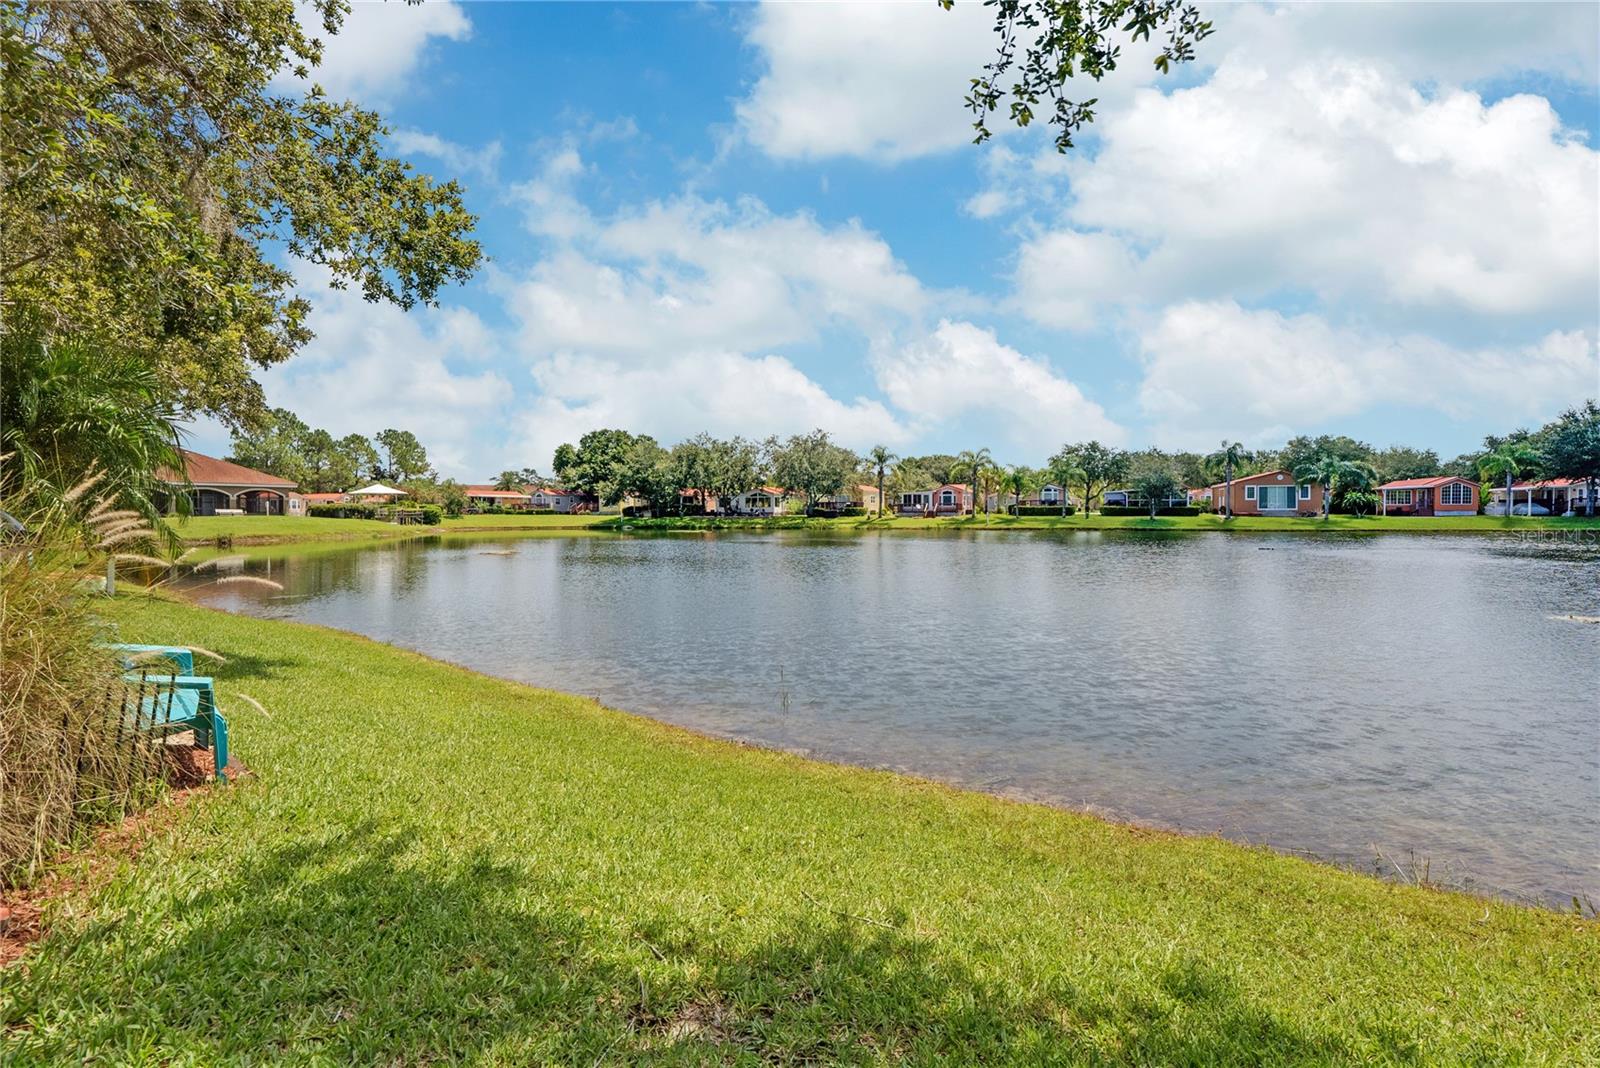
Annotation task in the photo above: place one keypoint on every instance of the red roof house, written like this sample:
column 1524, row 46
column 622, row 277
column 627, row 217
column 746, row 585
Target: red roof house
column 223, row 487
column 1442, row 495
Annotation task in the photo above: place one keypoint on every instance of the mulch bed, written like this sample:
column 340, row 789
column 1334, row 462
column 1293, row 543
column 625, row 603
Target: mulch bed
column 188, row 770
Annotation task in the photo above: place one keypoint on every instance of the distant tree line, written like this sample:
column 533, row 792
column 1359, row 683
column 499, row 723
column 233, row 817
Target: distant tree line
column 613, row 465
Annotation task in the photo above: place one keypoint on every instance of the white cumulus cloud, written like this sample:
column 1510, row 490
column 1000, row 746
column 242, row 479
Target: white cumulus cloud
column 960, row 371
column 379, row 46
column 1341, row 181
column 1213, row 369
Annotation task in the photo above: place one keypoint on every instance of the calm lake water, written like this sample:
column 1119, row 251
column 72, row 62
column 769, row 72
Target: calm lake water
column 1337, row 695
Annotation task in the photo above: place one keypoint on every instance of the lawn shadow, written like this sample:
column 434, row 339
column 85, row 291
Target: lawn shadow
column 358, row 947
column 240, row 667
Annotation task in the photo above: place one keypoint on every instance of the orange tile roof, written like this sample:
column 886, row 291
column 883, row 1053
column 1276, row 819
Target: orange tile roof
column 490, row 491
column 1549, row 483
column 205, row 470
column 1424, row 483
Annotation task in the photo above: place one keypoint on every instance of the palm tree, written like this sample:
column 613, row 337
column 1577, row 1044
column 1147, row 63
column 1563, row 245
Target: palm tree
column 879, row 460
column 74, row 407
column 1508, row 461
column 1064, row 471
column 970, row 466
column 1018, row 480
column 508, row 480
column 1328, row 469
column 1232, row 454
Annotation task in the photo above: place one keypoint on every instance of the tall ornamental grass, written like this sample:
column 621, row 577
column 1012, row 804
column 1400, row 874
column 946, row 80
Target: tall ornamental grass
column 67, row 756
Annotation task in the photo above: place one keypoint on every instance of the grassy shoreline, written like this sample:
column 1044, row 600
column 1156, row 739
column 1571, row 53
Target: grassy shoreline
column 435, row 864
column 284, row 530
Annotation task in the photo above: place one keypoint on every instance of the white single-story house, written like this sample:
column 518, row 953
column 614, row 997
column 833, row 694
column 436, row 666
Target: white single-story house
column 763, row 500
column 490, row 497
column 557, row 499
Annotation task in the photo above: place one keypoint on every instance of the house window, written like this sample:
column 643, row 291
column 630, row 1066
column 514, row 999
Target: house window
column 1456, row 493
column 1305, row 492
column 947, row 498
column 1249, row 493
column 1400, row 496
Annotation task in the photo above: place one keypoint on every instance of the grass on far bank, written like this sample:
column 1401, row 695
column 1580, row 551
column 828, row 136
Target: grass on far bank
column 434, row 865
column 268, row 529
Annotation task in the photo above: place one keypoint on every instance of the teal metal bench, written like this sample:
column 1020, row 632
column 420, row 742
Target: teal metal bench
column 180, row 702
column 134, row 655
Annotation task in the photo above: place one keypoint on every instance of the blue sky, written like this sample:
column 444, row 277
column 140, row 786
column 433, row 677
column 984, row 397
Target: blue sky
column 1364, row 219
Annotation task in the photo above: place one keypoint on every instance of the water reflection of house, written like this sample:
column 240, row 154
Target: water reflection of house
column 949, row 499
column 1550, row 496
column 1440, row 496
column 221, row 487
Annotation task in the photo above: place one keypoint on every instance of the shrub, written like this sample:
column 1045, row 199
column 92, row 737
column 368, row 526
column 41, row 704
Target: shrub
column 344, row 510
column 432, row 514
column 1114, row 509
column 1044, row 509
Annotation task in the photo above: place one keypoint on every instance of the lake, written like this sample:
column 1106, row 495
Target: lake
column 1376, row 701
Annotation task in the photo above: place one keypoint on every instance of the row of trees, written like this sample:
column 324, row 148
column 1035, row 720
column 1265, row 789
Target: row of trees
column 613, row 464
column 1350, row 471
column 280, row 442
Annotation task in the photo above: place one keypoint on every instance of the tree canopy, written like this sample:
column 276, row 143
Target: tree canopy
column 155, row 185
column 1043, row 44
column 812, row 464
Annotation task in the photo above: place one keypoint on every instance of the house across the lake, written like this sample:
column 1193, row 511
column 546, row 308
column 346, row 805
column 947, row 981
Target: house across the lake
column 326, row 498
column 558, row 499
column 952, row 498
column 1050, row 495
column 696, row 502
column 480, row 497
column 221, row 487
column 861, row 496
column 1269, row 493
column 1440, row 496
column 762, row 501
column 1550, row 496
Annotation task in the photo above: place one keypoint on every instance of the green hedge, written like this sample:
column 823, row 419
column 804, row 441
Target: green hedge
column 1044, row 509
column 432, row 514
column 1113, row 509
column 344, row 510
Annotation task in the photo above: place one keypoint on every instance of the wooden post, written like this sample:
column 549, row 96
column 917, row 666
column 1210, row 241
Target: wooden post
column 111, row 576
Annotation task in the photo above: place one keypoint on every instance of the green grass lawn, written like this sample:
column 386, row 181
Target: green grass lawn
column 432, row 865
column 268, row 529
column 1339, row 523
